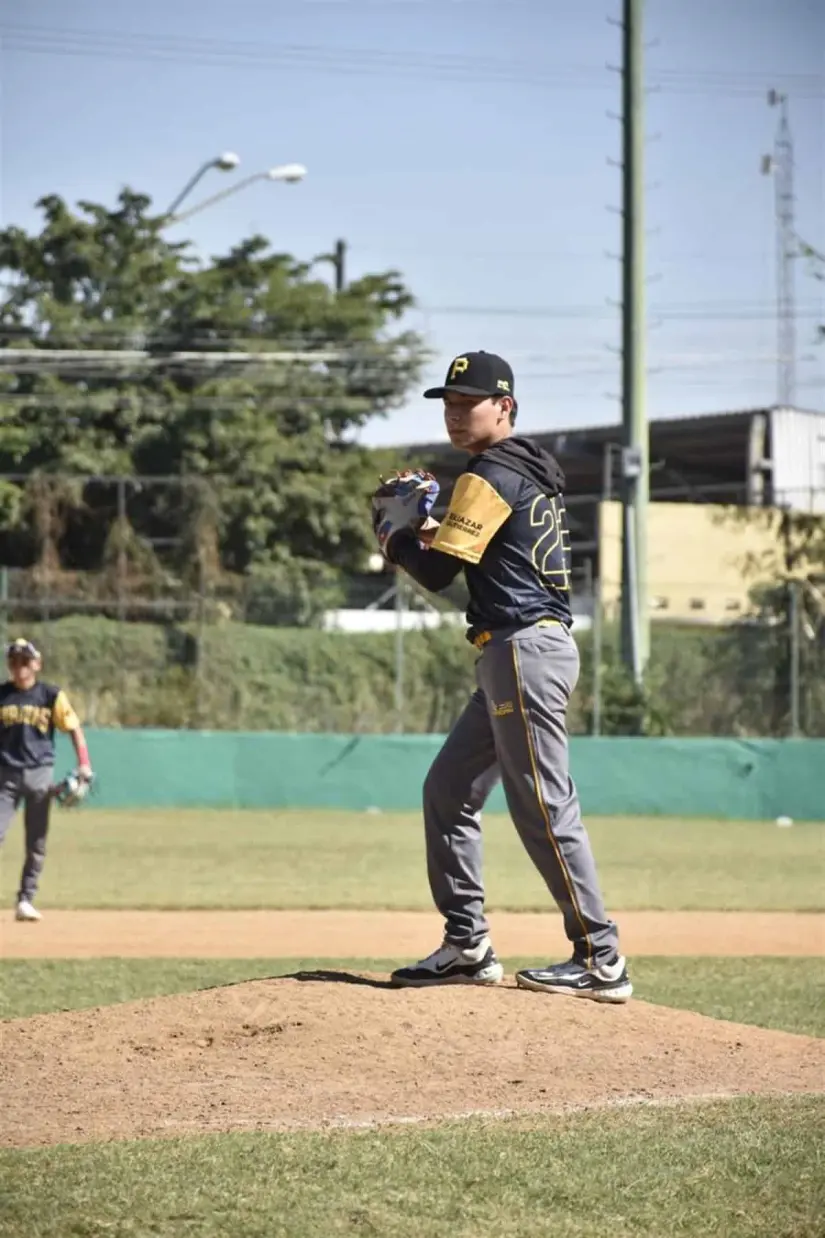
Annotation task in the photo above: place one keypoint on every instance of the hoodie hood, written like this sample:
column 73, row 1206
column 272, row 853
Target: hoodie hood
column 523, row 456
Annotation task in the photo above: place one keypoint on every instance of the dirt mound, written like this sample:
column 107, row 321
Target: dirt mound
column 310, row 1051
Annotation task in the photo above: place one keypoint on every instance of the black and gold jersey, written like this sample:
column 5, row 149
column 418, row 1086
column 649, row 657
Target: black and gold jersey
column 506, row 527
column 28, row 720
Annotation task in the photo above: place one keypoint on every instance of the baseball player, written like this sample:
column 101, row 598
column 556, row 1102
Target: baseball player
column 29, row 712
column 505, row 528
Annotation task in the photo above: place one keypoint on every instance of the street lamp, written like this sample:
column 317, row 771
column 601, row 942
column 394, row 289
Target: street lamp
column 224, row 163
column 289, row 172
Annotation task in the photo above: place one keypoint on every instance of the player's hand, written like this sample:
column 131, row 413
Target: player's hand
column 85, row 772
column 427, row 533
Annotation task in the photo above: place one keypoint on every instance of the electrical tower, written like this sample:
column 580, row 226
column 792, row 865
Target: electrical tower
column 780, row 165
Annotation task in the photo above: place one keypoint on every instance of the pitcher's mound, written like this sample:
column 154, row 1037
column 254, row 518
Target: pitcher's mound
column 325, row 1048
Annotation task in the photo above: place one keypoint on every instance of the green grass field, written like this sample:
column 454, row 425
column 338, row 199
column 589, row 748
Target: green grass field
column 772, row 992
column 746, row 1168
column 741, row 1169
column 226, row 859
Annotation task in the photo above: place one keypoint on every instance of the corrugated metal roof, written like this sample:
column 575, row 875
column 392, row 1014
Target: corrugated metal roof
column 607, row 430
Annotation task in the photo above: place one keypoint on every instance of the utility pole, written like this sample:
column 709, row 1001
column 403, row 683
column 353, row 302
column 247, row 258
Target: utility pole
column 339, row 257
column 635, row 617
column 781, row 166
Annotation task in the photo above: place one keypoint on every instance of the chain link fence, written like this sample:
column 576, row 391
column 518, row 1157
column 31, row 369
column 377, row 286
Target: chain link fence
column 389, row 658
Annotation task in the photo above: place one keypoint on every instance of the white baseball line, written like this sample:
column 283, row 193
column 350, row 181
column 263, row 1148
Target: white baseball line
column 366, row 1124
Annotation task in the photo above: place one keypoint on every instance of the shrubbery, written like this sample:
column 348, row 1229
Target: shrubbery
column 731, row 681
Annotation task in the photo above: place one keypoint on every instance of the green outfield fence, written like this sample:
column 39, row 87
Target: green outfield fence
column 725, row 778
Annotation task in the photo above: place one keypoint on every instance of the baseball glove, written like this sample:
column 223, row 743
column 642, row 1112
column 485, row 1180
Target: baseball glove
column 73, row 789
column 403, row 501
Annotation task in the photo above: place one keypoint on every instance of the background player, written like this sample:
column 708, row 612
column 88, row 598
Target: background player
column 29, row 713
column 506, row 529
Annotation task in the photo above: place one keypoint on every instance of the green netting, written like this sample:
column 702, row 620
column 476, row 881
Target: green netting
column 727, row 778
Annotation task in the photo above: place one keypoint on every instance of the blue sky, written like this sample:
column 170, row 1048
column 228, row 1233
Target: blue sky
column 467, row 143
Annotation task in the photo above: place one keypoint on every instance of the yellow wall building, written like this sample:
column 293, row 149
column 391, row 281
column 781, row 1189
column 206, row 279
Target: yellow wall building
column 703, row 560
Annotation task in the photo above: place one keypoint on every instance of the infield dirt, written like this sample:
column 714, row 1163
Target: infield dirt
column 336, row 1049
column 330, row 1049
column 392, row 934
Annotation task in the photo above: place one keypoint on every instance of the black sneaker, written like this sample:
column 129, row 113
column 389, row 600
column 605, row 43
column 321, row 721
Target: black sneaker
column 607, row 983
column 450, row 964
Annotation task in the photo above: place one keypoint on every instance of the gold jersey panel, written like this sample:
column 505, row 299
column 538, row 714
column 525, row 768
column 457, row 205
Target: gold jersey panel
column 475, row 514
column 65, row 718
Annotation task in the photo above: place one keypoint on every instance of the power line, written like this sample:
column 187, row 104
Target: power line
column 373, row 359
column 103, row 400
column 425, row 248
column 692, row 314
column 316, row 347
column 373, row 62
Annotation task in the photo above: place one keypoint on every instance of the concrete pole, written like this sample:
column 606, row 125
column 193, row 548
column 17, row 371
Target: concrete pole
column 635, row 642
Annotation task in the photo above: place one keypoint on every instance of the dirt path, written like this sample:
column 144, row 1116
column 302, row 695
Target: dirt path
column 377, row 934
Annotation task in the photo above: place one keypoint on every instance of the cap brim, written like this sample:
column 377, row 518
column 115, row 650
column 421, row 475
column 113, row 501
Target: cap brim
column 438, row 393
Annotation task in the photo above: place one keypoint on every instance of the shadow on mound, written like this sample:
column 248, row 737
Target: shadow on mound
column 318, row 977
column 342, row 977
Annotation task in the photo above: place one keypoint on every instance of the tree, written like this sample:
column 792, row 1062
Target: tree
column 780, row 644
column 273, row 439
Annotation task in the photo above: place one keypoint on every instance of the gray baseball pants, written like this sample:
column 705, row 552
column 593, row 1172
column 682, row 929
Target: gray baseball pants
column 514, row 728
column 31, row 786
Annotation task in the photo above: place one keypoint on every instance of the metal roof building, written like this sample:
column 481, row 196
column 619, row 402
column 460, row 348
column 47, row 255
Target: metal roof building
column 762, row 457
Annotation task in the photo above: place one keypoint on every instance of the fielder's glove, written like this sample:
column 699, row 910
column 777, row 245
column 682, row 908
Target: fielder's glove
column 403, row 501
column 74, row 789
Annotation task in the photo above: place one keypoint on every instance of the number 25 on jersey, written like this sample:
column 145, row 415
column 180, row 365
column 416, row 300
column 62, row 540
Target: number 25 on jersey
column 551, row 549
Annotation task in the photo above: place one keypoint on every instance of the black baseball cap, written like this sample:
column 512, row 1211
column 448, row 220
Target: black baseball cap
column 476, row 373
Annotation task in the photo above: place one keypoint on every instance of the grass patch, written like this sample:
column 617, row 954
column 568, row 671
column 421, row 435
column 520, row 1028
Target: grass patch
column 236, row 859
column 744, row 1168
column 39, row 986
column 786, row 994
